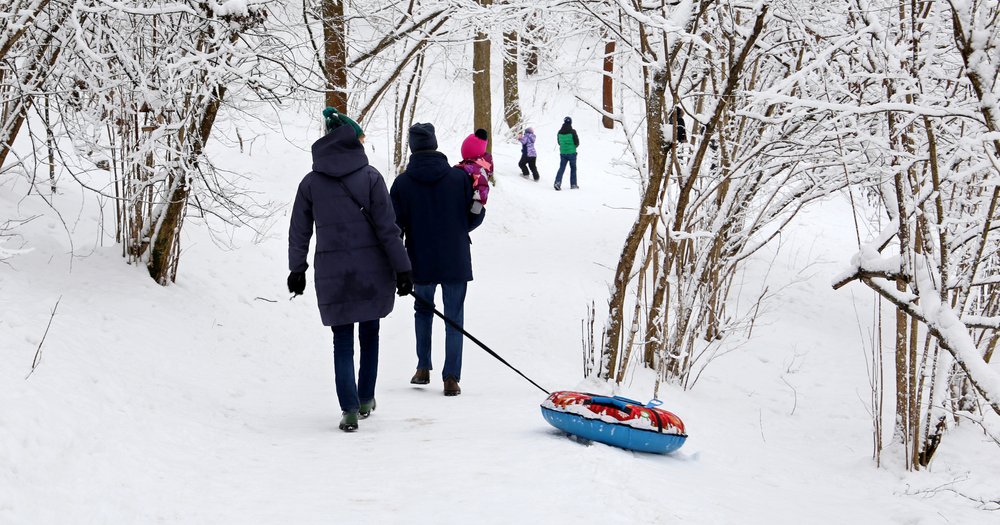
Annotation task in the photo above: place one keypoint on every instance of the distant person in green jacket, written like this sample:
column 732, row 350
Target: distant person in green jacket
column 568, row 141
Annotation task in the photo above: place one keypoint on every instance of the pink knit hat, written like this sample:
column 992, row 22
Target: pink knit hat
column 474, row 145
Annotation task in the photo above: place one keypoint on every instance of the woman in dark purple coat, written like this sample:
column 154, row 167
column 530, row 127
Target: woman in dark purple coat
column 359, row 262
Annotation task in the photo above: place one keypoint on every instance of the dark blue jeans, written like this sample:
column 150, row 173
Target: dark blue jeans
column 567, row 158
column 453, row 296
column 349, row 393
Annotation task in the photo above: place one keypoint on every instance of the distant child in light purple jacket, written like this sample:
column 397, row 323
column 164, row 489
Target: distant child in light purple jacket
column 528, row 154
column 479, row 165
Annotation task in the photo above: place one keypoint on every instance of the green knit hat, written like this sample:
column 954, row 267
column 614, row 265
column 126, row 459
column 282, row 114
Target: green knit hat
column 334, row 119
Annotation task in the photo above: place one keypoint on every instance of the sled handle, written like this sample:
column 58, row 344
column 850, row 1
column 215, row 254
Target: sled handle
column 615, row 402
column 621, row 403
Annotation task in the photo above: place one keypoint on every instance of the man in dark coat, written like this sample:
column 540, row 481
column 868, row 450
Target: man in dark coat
column 357, row 264
column 432, row 200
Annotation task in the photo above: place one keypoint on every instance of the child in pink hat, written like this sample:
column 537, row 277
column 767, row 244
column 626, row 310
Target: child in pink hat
column 479, row 165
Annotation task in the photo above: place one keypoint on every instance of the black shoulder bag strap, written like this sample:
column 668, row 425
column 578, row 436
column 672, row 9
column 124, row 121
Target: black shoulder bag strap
column 364, row 211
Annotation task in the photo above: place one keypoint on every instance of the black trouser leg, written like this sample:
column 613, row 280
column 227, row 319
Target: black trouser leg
column 523, row 164
column 531, row 164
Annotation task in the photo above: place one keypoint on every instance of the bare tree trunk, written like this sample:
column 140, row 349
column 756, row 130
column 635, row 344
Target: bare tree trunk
column 165, row 252
column 50, row 144
column 9, row 129
column 405, row 110
column 530, row 52
column 10, row 33
column 335, row 54
column 608, row 85
column 163, row 257
column 613, row 330
column 415, row 51
column 19, row 88
column 902, row 386
column 511, row 99
column 481, row 96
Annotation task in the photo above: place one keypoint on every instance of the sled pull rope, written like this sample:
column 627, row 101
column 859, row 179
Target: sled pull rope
column 472, row 338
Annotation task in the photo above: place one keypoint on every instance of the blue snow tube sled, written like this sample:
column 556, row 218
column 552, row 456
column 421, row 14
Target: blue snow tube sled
column 615, row 421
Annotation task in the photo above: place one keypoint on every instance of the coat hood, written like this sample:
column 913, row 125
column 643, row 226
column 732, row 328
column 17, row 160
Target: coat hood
column 338, row 153
column 428, row 167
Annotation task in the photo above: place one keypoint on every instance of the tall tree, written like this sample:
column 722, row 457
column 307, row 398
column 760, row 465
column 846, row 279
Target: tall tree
column 335, row 53
column 511, row 99
column 530, row 50
column 607, row 86
column 481, row 94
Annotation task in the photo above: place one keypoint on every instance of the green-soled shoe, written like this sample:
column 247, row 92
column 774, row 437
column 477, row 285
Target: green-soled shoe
column 366, row 409
column 349, row 423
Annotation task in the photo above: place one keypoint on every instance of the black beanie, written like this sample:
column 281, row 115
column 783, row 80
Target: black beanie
column 567, row 120
column 421, row 137
column 481, row 134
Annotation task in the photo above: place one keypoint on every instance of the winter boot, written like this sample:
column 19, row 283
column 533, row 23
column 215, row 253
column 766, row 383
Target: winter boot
column 349, row 423
column 366, row 409
column 557, row 186
column 422, row 377
column 451, row 387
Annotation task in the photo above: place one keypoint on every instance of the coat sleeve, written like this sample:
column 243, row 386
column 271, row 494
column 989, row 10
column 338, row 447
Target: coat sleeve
column 387, row 230
column 488, row 157
column 301, row 229
column 399, row 207
column 576, row 139
column 474, row 219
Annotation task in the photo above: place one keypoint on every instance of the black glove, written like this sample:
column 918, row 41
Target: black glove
column 297, row 282
column 404, row 284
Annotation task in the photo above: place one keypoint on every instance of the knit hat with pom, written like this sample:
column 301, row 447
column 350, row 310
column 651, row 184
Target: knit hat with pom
column 334, row 119
column 475, row 145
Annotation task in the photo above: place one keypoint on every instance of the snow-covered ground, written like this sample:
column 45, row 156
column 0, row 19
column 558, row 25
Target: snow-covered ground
column 212, row 400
